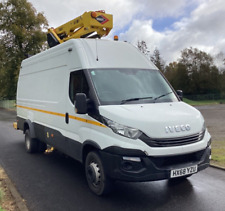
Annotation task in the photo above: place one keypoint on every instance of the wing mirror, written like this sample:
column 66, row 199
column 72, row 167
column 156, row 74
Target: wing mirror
column 180, row 94
column 81, row 103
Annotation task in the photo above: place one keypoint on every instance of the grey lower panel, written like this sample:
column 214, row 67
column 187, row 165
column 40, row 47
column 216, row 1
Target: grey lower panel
column 54, row 138
column 64, row 144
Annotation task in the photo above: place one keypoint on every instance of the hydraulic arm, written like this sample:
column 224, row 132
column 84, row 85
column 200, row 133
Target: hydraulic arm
column 90, row 24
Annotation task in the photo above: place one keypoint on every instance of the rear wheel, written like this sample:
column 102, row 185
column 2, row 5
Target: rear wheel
column 97, row 180
column 31, row 144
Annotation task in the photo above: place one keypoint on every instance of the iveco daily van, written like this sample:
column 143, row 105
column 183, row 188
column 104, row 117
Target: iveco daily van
column 106, row 105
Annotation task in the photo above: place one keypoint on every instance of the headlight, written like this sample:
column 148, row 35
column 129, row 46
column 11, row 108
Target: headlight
column 123, row 130
column 204, row 126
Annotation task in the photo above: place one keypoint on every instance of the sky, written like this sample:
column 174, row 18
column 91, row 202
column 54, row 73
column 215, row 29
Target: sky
column 169, row 25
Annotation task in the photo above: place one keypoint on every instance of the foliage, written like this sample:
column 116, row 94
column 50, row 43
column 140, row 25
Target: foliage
column 193, row 59
column 195, row 73
column 142, row 46
column 21, row 34
column 155, row 57
column 157, row 60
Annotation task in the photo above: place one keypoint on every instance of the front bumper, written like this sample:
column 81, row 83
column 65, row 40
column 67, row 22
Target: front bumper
column 134, row 165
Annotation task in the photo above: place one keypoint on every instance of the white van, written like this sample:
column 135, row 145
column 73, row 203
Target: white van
column 106, row 105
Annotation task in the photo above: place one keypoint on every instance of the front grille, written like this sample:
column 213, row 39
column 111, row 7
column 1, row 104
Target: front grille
column 171, row 142
column 162, row 162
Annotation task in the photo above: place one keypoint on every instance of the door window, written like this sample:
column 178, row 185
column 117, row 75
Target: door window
column 78, row 84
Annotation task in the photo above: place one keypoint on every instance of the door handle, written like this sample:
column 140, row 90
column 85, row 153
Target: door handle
column 67, row 118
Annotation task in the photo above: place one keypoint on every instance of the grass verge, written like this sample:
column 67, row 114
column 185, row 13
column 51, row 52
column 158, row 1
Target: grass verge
column 203, row 102
column 1, row 195
column 218, row 146
column 218, row 153
column 7, row 201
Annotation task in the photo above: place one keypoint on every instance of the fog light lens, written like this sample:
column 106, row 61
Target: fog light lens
column 127, row 166
column 135, row 159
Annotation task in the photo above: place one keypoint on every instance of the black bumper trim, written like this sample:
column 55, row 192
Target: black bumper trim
column 146, row 170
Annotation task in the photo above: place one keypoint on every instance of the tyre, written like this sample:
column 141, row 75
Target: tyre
column 31, row 144
column 97, row 180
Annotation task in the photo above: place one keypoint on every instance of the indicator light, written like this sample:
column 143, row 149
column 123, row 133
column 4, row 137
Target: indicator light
column 116, row 38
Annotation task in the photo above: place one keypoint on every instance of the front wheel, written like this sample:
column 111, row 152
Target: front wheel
column 97, row 180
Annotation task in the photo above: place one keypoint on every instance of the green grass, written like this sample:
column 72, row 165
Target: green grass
column 218, row 153
column 218, row 146
column 1, row 194
column 203, row 102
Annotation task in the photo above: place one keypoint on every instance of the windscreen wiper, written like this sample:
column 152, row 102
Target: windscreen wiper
column 162, row 96
column 134, row 99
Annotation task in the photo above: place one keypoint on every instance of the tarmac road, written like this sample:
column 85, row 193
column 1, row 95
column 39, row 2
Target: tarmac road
column 52, row 182
column 215, row 120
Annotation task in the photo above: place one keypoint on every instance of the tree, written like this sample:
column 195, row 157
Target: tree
column 157, row 60
column 222, row 84
column 177, row 75
column 193, row 59
column 195, row 73
column 142, row 46
column 202, row 73
column 219, row 60
column 155, row 57
column 21, row 34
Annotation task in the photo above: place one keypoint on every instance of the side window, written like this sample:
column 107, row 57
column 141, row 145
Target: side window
column 78, row 84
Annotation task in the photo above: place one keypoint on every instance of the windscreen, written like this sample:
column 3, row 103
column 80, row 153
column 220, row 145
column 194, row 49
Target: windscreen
column 123, row 86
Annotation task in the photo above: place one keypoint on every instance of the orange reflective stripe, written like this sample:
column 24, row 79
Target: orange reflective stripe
column 87, row 121
column 63, row 115
column 43, row 111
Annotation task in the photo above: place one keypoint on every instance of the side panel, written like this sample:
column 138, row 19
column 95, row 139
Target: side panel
column 42, row 87
column 41, row 92
column 43, row 97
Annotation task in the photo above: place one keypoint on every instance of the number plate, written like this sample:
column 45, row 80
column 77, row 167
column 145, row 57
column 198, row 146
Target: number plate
column 183, row 171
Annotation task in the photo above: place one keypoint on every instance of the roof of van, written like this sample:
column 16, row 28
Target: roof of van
column 93, row 53
column 106, row 53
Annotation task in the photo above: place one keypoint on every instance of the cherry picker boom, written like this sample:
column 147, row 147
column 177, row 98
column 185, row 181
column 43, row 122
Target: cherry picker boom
column 90, row 24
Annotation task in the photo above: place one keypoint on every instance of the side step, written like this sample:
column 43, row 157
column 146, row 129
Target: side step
column 15, row 125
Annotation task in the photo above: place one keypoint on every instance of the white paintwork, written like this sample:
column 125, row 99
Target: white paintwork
column 44, row 84
column 153, row 118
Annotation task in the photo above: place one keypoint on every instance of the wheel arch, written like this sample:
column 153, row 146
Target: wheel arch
column 28, row 125
column 89, row 146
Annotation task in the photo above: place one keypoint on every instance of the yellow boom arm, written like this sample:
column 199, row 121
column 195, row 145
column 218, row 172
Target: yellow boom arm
column 81, row 27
